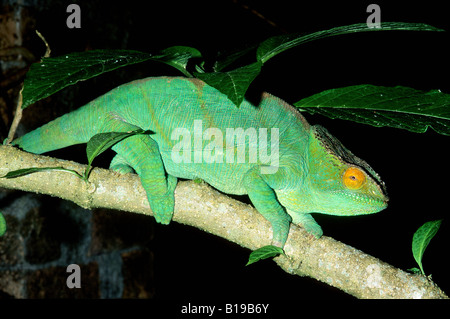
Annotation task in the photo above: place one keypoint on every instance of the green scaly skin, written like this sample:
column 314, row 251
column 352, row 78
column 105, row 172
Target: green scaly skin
column 310, row 176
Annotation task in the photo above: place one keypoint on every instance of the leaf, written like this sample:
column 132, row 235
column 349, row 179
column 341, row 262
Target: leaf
column 2, row 225
column 422, row 238
column 198, row 180
column 414, row 270
column 53, row 74
column 399, row 107
column 103, row 141
column 233, row 83
column 265, row 252
column 99, row 143
column 225, row 59
column 178, row 57
column 275, row 45
column 30, row 170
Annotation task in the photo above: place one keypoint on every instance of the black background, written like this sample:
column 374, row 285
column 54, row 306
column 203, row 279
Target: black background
column 193, row 265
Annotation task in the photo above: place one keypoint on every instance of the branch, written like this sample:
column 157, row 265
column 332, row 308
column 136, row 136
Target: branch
column 199, row 205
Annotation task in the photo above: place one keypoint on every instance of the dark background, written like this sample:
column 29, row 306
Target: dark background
column 193, row 265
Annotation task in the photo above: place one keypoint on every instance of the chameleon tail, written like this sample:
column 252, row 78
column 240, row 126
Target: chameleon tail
column 70, row 129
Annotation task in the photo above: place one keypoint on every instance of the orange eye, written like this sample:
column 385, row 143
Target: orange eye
column 353, row 178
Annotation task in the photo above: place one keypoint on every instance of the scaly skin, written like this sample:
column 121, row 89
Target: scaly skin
column 307, row 170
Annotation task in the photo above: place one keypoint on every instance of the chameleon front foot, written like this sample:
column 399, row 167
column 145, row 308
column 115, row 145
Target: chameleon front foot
column 307, row 222
column 313, row 230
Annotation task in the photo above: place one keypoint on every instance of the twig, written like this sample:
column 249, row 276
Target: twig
column 16, row 120
column 18, row 114
column 47, row 51
column 260, row 16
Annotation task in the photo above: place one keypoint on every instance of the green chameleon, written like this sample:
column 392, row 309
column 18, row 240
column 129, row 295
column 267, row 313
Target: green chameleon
column 288, row 168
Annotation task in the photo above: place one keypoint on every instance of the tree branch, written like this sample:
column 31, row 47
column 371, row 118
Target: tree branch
column 199, row 205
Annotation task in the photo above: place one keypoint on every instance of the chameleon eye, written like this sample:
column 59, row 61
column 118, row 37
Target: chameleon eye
column 353, row 178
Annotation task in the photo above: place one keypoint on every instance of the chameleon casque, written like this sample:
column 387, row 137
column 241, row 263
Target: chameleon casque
column 199, row 133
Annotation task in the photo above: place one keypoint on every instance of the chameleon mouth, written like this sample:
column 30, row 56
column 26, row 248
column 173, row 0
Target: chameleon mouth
column 357, row 204
column 369, row 204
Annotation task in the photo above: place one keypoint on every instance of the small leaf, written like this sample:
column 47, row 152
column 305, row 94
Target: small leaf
column 178, row 57
column 234, row 83
column 414, row 270
column 275, row 45
column 422, row 238
column 225, row 59
column 2, row 225
column 103, row 141
column 399, row 107
column 264, row 253
column 30, row 170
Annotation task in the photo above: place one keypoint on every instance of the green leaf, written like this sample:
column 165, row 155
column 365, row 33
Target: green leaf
column 103, row 141
column 275, row 45
column 264, row 253
column 30, row 170
column 178, row 57
column 225, row 59
column 414, row 270
column 53, row 74
column 2, row 225
column 422, row 238
column 234, row 83
column 399, row 107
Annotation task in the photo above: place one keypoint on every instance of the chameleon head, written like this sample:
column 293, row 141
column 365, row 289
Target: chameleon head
column 341, row 183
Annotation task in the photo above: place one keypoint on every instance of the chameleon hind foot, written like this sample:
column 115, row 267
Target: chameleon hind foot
column 163, row 206
column 120, row 165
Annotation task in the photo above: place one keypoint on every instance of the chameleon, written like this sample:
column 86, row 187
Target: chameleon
column 198, row 133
